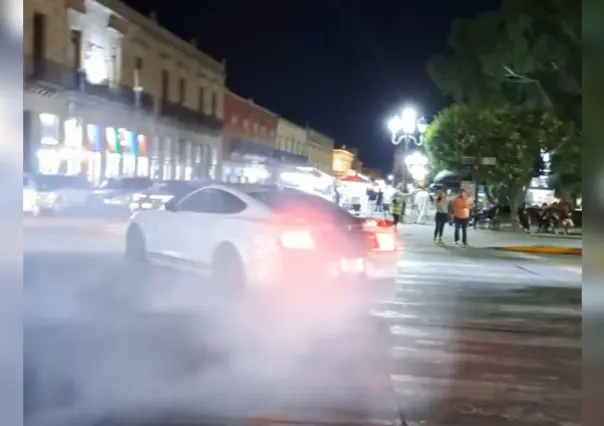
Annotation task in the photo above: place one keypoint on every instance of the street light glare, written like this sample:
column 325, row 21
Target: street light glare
column 409, row 114
column 409, row 120
column 395, row 125
column 416, row 159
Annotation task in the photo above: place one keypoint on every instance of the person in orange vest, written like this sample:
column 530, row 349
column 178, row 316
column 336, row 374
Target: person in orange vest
column 461, row 216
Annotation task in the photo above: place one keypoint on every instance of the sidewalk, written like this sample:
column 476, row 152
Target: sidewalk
column 507, row 241
column 482, row 238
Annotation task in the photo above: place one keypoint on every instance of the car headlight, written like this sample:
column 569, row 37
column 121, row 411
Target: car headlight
column 49, row 197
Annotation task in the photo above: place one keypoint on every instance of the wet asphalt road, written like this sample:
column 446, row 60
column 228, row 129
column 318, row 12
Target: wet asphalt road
column 475, row 338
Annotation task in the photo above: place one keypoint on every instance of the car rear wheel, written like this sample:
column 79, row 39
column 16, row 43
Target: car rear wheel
column 36, row 211
column 136, row 250
column 228, row 273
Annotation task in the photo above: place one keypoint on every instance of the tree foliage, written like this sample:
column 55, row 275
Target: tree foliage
column 566, row 166
column 462, row 135
column 527, row 52
column 526, row 55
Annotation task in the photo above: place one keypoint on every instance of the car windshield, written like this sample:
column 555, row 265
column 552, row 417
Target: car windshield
column 54, row 182
column 298, row 201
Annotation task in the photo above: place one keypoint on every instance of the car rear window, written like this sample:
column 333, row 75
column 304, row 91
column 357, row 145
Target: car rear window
column 304, row 204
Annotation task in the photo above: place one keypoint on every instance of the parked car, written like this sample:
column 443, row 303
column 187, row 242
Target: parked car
column 57, row 194
column 118, row 191
column 161, row 192
column 30, row 195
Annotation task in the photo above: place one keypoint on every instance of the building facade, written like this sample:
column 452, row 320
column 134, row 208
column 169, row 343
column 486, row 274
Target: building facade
column 320, row 150
column 342, row 162
column 109, row 92
column 249, row 139
column 291, row 139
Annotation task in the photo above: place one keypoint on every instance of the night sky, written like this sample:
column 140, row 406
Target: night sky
column 340, row 66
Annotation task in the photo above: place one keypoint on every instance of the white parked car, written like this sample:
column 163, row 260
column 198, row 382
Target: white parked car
column 245, row 236
column 30, row 195
column 118, row 191
column 160, row 193
column 60, row 193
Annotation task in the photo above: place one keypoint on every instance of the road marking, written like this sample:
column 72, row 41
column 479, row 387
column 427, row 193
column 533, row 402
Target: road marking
column 489, row 390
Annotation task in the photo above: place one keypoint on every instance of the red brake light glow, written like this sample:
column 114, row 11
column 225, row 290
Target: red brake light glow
column 297, row 240
column 381, row 235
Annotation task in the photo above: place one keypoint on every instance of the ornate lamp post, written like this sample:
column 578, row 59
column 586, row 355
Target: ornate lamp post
column 407, row 128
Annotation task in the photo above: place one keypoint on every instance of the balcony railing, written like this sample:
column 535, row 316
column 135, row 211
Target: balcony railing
column 189, row 117
column 51, row 75
column 48, row 74
column 288, row 157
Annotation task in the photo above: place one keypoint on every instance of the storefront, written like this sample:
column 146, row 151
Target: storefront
column 72, row 151
column 103, row 144
column 112, row 153
column 142, row 155
column 48, row 148
column 155, row 161
column 168, row 158
column 93, row 152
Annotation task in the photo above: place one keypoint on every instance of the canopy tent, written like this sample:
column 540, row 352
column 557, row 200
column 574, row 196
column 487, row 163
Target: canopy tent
column 446, row 175
column 354, row 178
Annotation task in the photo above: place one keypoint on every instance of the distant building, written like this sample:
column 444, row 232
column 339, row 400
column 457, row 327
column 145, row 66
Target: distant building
column 108, row 92
column 342, row 163
column 249, row 139
column 292, row 142
column 320, row 150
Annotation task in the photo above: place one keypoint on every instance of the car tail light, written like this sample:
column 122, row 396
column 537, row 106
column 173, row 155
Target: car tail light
column 297, row 240
column 381, row 235
column 382, row 241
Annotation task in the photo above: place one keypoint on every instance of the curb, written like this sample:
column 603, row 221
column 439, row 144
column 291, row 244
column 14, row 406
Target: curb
column 564, row 251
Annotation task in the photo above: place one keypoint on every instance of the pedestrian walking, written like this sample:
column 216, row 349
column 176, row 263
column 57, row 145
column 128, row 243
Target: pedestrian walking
column 522, row 215
column 397, row 210
column 461, row 215
column 442, row 216
column 379, row 200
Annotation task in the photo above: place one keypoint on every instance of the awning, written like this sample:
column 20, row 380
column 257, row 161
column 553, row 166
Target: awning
column 353, row 178
column 446, row 175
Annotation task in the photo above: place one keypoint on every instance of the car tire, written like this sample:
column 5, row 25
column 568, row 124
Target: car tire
column 228, row 272
column 36, row 211
column 136, row 248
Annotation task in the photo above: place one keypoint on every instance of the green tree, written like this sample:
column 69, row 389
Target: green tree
column 528, row 52
column 566, row 167
column 462, row 135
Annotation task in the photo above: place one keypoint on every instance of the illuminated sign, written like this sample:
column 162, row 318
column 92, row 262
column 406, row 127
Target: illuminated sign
column 94, row 142
column 143, row 149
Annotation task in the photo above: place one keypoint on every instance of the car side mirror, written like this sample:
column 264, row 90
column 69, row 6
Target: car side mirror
column 170, row 206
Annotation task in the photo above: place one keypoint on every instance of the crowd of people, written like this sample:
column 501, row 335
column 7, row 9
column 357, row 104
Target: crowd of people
column 460, row 211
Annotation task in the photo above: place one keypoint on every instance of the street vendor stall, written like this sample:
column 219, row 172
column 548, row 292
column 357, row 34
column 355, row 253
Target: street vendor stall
column 308, row 179
column 353, row 190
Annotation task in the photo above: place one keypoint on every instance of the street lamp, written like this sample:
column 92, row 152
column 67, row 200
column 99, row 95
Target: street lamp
column 417, row 165
column 405, row 128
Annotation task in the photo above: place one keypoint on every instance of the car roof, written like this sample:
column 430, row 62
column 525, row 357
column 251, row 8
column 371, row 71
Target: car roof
column 257, row 187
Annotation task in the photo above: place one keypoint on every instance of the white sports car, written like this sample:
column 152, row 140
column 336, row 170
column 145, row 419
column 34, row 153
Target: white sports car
column 262, row 237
